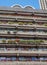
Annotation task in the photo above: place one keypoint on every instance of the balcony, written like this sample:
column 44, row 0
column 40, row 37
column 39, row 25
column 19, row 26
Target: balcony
column 20, row 52
column 31, row 33
column 26, row 25
column 31, row 26
column 23, row 59
column 30, row 49
column 11, row 31
column 22, row 63
column 31, row 41
column 22, row 41
column 22, row 17
column 31, row 36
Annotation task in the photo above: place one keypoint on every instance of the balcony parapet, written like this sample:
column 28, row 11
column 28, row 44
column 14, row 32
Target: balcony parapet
column 22, row 63
column 23, row 52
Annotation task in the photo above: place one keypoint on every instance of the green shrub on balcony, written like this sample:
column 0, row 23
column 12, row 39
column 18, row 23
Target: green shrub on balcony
column 25, row 23
column 16, row 22
column 38, row 41
column 30, row 23
column 27, row 41
column 0, row 22
column 45, row 24
column 30, row 41
column 10, row 41
column 41, row 40
column 20, row 23
column 3, row 41
column 11, row 22
column 35, row 41
column 22, row 41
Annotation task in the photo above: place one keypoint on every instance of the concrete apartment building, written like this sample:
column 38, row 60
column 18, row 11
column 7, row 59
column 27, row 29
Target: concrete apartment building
column 23, row 36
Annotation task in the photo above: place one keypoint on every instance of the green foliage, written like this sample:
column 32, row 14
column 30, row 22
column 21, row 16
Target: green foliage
column 3, row 41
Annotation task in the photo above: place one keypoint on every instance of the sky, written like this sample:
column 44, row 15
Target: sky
column 34, row 3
